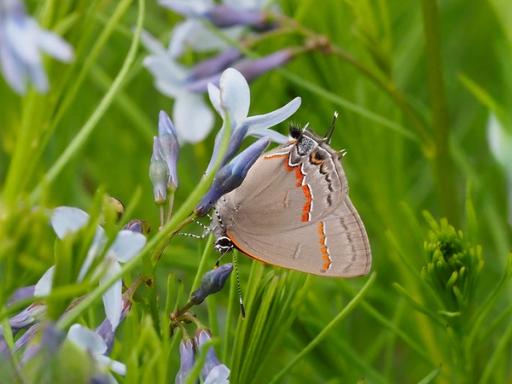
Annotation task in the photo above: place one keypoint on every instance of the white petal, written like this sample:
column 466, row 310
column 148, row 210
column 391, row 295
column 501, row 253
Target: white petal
column 22, row 35
column 246, row 4
column 192, row 118
column 44, row 285
column 270, row 119
column 54, row 45
column 275, row 136
column 200, row 39
column 169, row 76
column 214, row 95
column 235, row 96
column 113, row 298
column 127, row 244
column 13, row 70
column 151, row 44
column 66, row 220
column 86, row 339
column 188, row 7
column 179, row 37
column 218, row 375
column 112, row 365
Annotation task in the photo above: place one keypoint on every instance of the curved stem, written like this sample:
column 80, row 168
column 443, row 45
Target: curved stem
column 81, row 138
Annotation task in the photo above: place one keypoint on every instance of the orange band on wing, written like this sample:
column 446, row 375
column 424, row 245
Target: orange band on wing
column 299, row 179
column 307, row 206
column 323, row 248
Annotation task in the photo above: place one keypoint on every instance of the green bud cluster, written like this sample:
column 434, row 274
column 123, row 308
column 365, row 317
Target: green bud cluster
column 453, row 265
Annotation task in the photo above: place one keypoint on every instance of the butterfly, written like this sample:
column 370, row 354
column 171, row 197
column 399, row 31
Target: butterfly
column 293, row 210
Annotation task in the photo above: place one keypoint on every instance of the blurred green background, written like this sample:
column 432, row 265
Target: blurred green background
column 414, row 96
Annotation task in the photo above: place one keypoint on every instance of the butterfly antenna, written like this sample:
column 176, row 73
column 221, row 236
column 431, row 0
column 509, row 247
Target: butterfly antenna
column 186, row 234
column 238, row 288
column 330, row 130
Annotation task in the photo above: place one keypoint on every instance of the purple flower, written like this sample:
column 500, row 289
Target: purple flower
column 233, row 98
column 193, row 119
column 127, row 244
column 213, row 372
column 21, row 294
column 22, row 41
column 213, row 281
column 213, row 66
column 49, row 343
column 186, row 360
column 92, row 343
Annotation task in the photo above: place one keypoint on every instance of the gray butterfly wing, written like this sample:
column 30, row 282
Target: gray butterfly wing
column 286, row 196
column 335, row 246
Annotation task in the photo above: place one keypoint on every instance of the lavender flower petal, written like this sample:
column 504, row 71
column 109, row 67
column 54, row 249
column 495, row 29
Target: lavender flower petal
column 252, row 68
column 213, row 370
column 21, row 294
column 192, row 118
column 21, row 43
column 113, row 297
column 186, row 360
column 224, row 16
column 190, row 8
column 214, row 65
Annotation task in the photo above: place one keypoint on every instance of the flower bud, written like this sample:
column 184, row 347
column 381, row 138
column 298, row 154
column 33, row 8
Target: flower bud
column 137, row 225
column 232, row 175
column 158, row 173
column 213, row 281
column 169, row 148
column 186, row 360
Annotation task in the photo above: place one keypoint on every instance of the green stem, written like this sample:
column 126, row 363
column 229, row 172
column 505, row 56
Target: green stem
column 348, row 308
column 81, row 138
column 443, row 163
column 168, row 229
